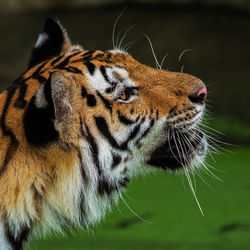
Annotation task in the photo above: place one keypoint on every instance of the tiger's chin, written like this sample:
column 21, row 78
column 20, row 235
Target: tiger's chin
column 182, row 150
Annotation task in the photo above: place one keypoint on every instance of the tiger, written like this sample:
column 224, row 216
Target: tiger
column 78, row 125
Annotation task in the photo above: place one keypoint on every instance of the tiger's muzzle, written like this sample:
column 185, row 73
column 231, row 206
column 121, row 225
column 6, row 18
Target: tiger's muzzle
column 182, row 149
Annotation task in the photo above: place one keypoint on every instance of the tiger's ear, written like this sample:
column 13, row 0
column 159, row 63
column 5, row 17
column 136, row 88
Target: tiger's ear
column 53, row 113
column 63, row 94
column 52, row 41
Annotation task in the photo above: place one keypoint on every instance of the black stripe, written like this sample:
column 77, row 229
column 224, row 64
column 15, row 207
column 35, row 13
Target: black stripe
column 82, row 212
column 37, row 74
column 109, row 90
column 39, row 122
column 123, row 119
column 83, row 92
column 109, row 55
column 101, row 57
column 91, row 100
column 89, row 57
column 17, row 242
column 7, row 131
column 40, row 68
column 54, row 61
column 104, row 130
column 82, row 168
column 73, row 70
column 124, row 182
column 104, row 57
column 82, row 208
column 10, row 92
column 12, row 147
column 107, row 104
column 91, row 52
column 132, row 135
column 39, row 78
column 113, row 84
column 85, row 57
column 104, row 73
column 172, row 110
column 157, row 114
column 105, row 186
column 91, row 67
column 146, row 131
column 65, row 62
column 94, row 149
column 81, row 127
column 48, row 94
column 21, row 102
column 116, row 160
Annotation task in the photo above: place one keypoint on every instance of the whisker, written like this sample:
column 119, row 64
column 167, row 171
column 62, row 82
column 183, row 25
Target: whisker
column 117, row 39
column 216, row 131
column 181, row 55
column 189, row 179
column 163, row 60
column 211, row 173
column 182, row 68
column 195, row 169
column 171, row 133
column 194, row 180
column 158, row 66
column 128, row 45
column 199, row 175
column 193, row 191
column 183, row 52
column 123, row 37
column 114, row 28
column 133, row 212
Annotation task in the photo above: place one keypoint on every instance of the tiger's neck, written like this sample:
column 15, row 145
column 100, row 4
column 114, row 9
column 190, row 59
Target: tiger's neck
column 61, row 189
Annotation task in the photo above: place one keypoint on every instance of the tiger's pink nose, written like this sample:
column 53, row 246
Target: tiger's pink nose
column 199, row 96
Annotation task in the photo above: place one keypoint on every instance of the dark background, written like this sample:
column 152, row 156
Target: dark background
column 218, row 38
column 217, row 34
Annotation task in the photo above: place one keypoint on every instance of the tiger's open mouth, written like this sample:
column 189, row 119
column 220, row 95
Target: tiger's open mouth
column 179, row 150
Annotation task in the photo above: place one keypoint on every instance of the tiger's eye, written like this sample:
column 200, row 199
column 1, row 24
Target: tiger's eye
column 123, row 96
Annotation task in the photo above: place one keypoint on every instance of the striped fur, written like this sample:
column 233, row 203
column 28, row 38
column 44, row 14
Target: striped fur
column 75, row 128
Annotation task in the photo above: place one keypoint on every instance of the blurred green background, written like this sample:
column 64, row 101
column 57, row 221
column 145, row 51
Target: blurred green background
column 218, row 38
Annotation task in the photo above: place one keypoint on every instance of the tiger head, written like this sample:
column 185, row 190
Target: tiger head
column 100, row 117
column 123, row 117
